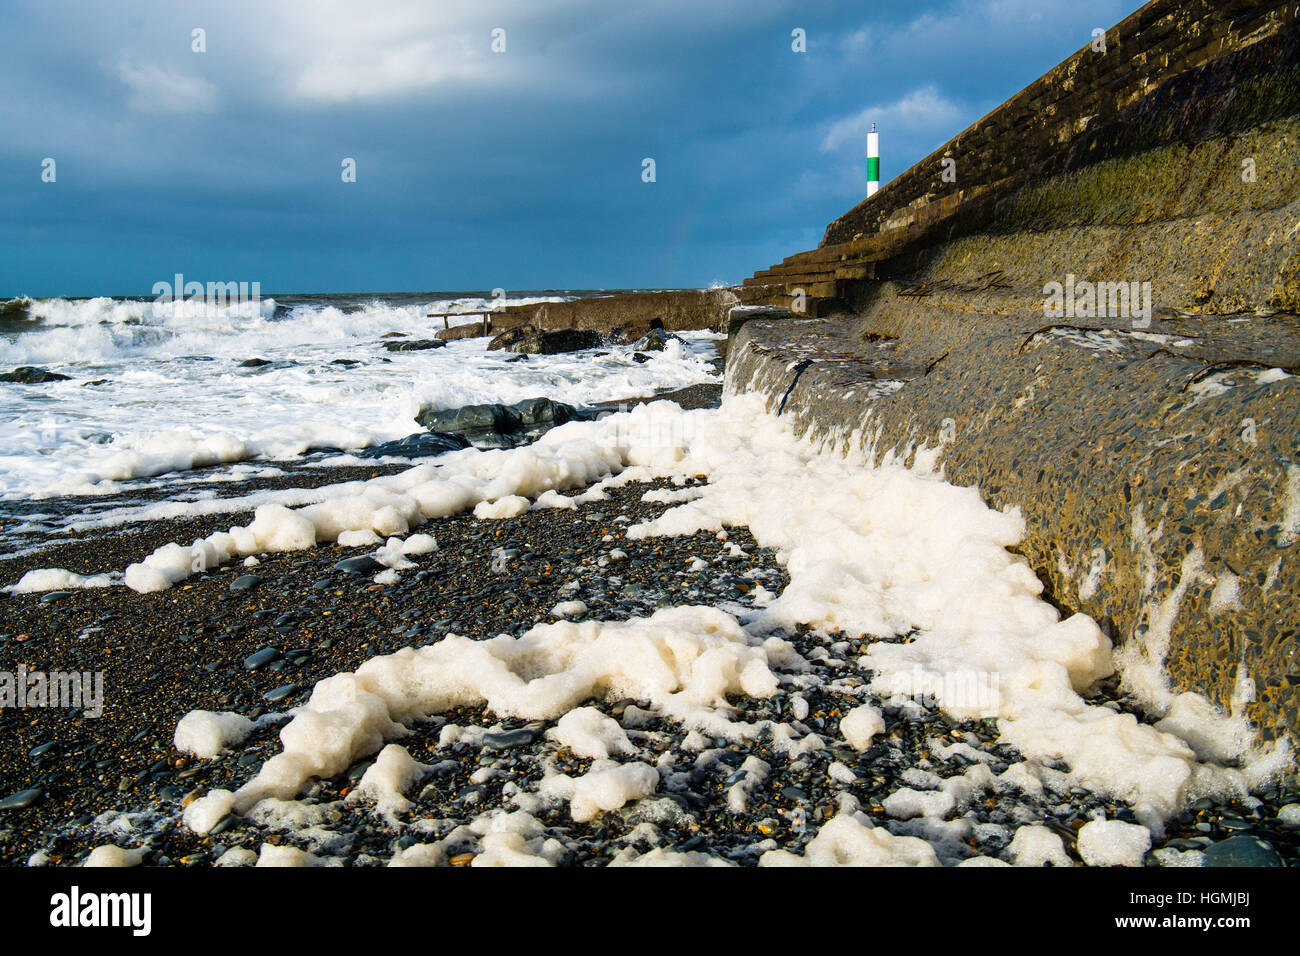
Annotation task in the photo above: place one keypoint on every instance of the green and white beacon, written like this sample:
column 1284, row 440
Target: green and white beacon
column 873, row 161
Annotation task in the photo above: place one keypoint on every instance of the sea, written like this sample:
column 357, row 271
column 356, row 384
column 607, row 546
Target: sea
column 159, row 387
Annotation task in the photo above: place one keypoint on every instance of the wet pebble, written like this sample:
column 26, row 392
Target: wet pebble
column 262, row 658
column 22, row 799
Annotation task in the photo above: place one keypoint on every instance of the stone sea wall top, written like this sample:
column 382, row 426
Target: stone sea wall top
column 1044, row 129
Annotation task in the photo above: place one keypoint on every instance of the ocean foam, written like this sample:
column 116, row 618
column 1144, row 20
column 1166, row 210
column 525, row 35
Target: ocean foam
column 328, row 383
column 874, row 550
column 205, row 733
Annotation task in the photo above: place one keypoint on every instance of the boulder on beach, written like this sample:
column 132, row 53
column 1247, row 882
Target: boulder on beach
column 420, row 445
column 527, row 339
column 656, row 340
column 257, row 364
column 630, row 332
column 510, row 338
column 543, row 411
column 626, row 334
column 29, row 375
column 414, row 345
column 501, row 426
column 470, row 418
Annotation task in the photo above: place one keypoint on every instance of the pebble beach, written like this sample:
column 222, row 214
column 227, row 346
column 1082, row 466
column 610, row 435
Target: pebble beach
column 254, row 638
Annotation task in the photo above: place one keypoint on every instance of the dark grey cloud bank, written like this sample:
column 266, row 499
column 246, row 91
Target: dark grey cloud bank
column 475, row 169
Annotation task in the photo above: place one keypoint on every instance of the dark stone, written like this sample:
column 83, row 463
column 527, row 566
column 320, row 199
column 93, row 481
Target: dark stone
column 1241, row 851
column 501, row 426
column 511, row 337
column 246, row 582
column 28, row 375
column 509, row 738
column 624, row 334
column 254, row 363
column 260, row 659
column 362, row 564
column 419, row 445
column 414, row 345
column 280, row 693
column 21, row 800
column 543, row 411
column 656, row 340
column 471, row 418
column 530, row 340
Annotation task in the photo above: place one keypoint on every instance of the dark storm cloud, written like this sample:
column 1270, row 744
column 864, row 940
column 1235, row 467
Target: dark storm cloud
column 475, row 169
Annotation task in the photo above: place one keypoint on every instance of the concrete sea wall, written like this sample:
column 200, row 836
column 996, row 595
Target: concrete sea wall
column 677, row 310
column 1154, row 453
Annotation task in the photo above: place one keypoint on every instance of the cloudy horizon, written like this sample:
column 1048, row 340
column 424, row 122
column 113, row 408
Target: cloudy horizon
column 519, row 168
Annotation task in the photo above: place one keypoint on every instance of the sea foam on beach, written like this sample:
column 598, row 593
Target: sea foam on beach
column 871, row 548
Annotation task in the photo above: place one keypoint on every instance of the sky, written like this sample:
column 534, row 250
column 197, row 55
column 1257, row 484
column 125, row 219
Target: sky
column 521, row 167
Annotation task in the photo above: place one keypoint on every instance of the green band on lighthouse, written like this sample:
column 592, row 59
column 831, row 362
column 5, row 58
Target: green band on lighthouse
column 873, row 168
